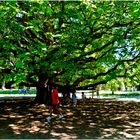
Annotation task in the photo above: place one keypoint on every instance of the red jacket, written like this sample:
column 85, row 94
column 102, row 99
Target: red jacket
column 55, row 99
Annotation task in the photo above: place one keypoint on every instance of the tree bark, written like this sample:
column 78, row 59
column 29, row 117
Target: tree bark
column 40, row 94
column 112, row 92
column 43, row 94
column 3, row 85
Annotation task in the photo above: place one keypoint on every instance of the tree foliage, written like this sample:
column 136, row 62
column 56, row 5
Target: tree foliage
column 79, row 43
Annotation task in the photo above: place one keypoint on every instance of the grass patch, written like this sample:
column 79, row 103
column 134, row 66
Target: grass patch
column 16, row 91
column 121, row 95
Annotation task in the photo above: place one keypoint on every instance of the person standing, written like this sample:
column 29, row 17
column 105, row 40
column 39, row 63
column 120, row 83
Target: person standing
column 92, row 95
column 54, row 104
column 83, row 96
column 74, row 98
column 97, row 91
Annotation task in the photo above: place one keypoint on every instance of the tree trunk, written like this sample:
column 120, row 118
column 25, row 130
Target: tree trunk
column 43, row 94
column 65, row 90
column 3, row 85
column 112, row 92
column 40, row 94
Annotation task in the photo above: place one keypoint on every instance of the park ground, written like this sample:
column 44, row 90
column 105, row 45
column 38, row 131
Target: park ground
column 97, row 118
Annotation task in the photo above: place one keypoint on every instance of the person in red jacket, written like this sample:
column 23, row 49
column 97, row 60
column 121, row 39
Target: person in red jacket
column 55, row 104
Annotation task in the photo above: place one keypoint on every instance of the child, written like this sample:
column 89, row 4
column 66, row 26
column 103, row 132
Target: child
column 54, row 104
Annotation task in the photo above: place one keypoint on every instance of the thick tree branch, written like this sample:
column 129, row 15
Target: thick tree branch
column 75, row 84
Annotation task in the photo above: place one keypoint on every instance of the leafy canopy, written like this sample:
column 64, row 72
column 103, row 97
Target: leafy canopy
column 81, row 43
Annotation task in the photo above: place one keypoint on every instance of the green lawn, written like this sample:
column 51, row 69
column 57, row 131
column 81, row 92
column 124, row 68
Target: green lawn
column 33, row 91
column 15, row 91
column 131, row 94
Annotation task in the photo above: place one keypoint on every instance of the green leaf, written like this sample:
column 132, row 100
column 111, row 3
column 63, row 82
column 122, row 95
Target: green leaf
column 48, row 10
column 19, row 64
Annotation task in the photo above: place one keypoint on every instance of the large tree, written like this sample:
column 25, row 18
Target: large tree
column 72, row 43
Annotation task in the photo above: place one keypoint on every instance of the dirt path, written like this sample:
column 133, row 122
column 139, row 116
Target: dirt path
column 96, row 119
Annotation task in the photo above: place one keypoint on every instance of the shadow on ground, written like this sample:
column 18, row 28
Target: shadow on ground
column 94, row 118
